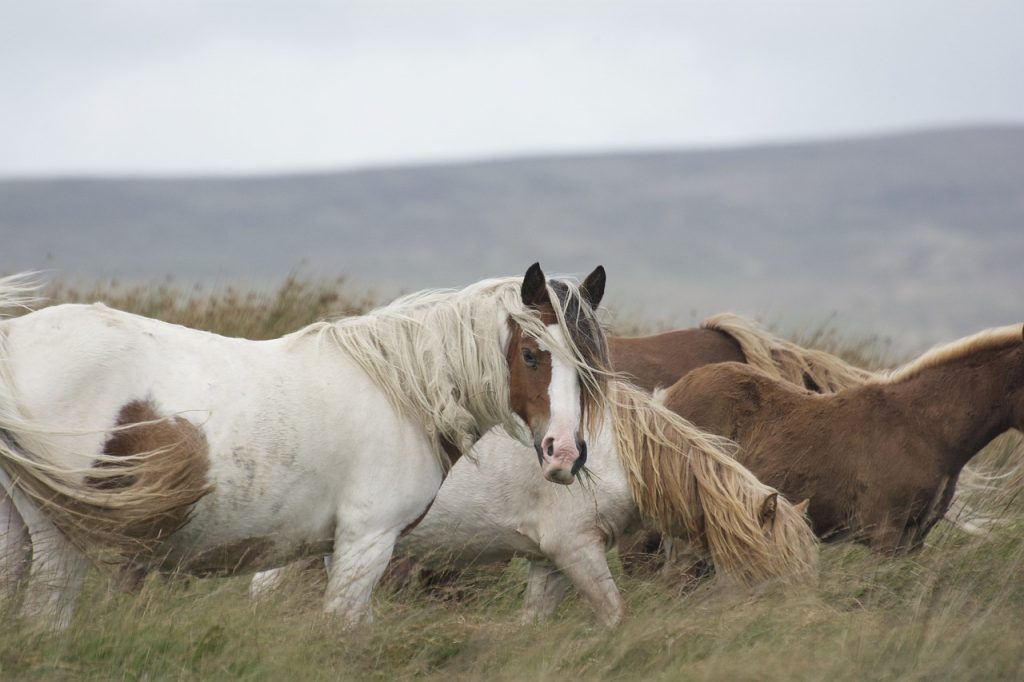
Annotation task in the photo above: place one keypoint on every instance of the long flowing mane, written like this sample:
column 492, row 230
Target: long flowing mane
column 988, row 339
column 785, row 360
column 436, row 354
column 687, row 483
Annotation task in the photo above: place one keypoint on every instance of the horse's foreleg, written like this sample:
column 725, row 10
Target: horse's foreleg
column 15, row 548
column 545, row 589
column 356, row 565
column 685, row 564
column 586, row 565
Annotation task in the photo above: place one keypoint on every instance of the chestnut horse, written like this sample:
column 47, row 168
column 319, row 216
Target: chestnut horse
column 659, row 361
column 194, row 452
column 879, row 462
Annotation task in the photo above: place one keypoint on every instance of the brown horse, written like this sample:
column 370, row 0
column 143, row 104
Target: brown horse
column 659, row 361
column 879, row 462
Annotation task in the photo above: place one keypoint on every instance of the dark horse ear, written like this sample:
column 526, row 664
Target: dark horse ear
column 535, row 287
column 768, row 509
column 592, row 289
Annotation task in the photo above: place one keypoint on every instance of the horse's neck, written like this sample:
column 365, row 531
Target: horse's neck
column 965, row 403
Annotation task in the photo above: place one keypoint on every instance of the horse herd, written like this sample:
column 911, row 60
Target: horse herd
column 184, row 451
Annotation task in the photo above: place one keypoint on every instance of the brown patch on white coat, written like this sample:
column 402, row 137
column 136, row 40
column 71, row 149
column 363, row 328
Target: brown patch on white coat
column 143, row 486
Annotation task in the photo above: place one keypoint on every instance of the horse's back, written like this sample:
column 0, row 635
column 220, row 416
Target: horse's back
column 730, row 398
column 71, row 363
column 660, row 360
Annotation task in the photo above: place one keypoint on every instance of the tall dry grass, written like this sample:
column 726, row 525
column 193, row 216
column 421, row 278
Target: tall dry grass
column 954, row 611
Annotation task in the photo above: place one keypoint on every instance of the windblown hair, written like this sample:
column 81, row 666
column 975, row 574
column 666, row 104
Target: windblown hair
column 786, row 361
column 687, row 483
column 988, row 339
column 436, row 355
column 128, row 503
column 19, row 291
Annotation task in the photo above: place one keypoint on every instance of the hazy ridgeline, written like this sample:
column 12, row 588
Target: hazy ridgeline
column 953, row 611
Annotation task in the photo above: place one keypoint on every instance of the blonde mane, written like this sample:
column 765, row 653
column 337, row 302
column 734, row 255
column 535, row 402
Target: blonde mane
column 438, row 358
column 988, row 339
column 687, row 483
column 785, row 360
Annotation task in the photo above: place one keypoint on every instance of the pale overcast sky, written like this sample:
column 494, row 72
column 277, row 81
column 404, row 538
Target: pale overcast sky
column 265, row 86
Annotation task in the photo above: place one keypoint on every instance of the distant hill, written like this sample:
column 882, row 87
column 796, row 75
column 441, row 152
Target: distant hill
column 916, row 236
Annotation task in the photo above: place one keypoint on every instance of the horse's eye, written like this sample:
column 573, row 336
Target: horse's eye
column 529, row 358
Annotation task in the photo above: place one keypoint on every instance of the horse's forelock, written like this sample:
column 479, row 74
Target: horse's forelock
column 588, row 344
column 582, row 324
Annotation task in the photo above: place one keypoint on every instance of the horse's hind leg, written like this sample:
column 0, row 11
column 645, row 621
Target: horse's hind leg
column 55, row 577
column 15, row 548
column 57, row 568
column 545, row 589
column 586, row 565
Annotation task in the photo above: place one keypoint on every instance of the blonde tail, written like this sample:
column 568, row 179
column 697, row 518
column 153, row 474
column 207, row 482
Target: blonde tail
column 785, row 360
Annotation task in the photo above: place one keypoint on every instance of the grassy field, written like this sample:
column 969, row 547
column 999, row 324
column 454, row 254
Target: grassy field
column 954, row 611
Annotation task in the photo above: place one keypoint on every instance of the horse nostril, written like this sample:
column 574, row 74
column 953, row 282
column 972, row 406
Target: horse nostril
column 549, row 446
column 581, row 446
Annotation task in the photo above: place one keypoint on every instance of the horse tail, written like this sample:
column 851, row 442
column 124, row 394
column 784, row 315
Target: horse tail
column 990, row 489
column 687, row 483
column 136, row 492
column 785, row 360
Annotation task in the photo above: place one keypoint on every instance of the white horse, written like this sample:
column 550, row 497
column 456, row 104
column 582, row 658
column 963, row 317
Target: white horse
column 646, row 464
column 195, row 452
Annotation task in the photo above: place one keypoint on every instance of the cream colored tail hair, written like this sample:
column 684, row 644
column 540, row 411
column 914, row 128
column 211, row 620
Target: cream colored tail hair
column 785, row 360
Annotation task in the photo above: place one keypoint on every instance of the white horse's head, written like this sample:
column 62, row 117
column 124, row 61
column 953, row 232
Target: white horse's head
column 557, row 380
